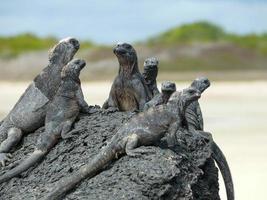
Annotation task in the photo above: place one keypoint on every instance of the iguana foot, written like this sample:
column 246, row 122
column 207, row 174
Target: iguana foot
column 111, row 110
column 206, row 135
column 135, row 111
column 138, row 152
column 92, row 110
column 4, row 157
column 13, row 165
column 70, row 134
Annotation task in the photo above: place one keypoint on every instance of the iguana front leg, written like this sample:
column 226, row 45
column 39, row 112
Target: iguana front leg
column 171, row 137
column 140, row 94
column 111, row 103
column 110, row 106
column 84, row 108
column 132, row 144
column 14, row 136
column 65, row 132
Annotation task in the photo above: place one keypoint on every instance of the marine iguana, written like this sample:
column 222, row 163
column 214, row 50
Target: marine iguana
column 194, row 122
column 146, row 128
column 128, row 91
column 61, row 114
column 29, row 112
column 150, row 74
column 167, row 88
column 193, row 114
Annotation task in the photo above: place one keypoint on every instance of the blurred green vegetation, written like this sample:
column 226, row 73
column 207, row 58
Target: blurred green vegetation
column 199, row 32
column 190, row 48
column 208, row 32
column 26, row 42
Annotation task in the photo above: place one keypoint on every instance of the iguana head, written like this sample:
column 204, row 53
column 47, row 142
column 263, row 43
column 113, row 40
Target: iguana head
column 168, row 86
column 127, row 58
column 201, row 83
column 64, row 51
column 73, row 69
column 151, row 69
column 183, row 98
column 189, row 95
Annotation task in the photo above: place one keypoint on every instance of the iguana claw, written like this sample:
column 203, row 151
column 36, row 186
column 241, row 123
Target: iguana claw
column 5, row 157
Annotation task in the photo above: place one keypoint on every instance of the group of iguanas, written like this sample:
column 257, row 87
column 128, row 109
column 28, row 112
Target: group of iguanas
column 55, row 99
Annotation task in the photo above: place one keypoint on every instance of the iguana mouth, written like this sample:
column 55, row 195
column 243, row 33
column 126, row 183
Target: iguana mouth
column 82, row 65
column 205, row 85
column 168, row 86
column 119, row 51
column 201, row 83
column 197, row 95
column 75, row 43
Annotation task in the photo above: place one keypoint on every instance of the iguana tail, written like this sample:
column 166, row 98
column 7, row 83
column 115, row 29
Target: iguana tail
column 220, row 159
column 87, row 171
column 36, row 156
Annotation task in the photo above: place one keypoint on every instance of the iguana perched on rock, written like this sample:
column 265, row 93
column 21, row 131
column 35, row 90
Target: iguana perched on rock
column 61, row 114
column 145, row 129
column 193, row 114
column 128, row 91
column 150, row 74
column 29, row 112
column 167, row 88
column 194, row 123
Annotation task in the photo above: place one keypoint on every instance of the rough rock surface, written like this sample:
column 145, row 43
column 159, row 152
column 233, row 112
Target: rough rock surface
column 186, row 172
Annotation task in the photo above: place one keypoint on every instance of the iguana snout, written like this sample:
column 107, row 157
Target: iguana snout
column 125, row 53
column 151, row 63
column 150, row 69
column 64, row 51
column 168, row 86
column 201, row 83
column 70, row 40
column 192, row 94
column 73, row 68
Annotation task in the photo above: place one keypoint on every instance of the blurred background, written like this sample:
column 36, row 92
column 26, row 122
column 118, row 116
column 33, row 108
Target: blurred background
column 223, row 40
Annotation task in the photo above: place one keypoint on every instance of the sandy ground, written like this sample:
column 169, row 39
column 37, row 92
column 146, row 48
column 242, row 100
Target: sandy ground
column 236, row 114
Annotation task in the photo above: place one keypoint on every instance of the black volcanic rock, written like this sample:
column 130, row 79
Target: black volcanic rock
column 184, row 172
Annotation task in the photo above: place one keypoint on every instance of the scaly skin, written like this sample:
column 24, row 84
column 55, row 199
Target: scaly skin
column 145, row 129
column 128, row 91
column 150, row 75
column 193, row 112
column 194, row 121
column 60, row 115
column 33, row 103
column 167, row 88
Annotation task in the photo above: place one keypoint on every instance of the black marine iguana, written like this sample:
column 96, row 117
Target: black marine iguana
column 193, row 114
column 150, row 74
column 29, row 112
column 194, row 123
column 145, row 129
column 167, row 88
column 128, row 91
column 61, row 114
